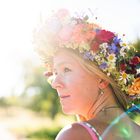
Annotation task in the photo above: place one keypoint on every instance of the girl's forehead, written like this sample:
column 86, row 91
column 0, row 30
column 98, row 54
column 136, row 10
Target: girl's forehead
column 64, row 56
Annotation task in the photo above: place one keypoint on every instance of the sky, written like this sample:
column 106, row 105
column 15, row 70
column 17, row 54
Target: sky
column 18, row 18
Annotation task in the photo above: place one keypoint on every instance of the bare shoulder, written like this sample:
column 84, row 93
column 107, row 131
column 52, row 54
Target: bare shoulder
column 72, row 132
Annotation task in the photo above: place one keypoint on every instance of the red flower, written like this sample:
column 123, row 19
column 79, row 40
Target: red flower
column 131, row 70
column 135, row 60
column 95, row 46
column 123, row 66
column 104, row 36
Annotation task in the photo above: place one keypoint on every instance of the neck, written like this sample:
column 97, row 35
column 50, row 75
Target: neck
column 105, row 108
column 108, row 114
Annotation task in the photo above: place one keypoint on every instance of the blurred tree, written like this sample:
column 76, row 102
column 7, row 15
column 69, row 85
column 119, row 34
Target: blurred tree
column 137, row 45
column 38, row 94
column 3, row 102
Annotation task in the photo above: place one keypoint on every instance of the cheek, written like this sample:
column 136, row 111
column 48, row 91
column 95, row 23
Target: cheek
column 86, row 87
column 80, row 84
column 73, row 84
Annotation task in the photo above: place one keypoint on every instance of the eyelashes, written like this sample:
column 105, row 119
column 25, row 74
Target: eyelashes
column 51, row 76
column 64, row 70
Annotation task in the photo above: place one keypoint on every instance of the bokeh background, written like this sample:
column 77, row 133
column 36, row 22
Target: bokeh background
column 29, row 108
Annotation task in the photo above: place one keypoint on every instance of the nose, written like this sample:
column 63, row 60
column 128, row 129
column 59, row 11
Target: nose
column 56, row 82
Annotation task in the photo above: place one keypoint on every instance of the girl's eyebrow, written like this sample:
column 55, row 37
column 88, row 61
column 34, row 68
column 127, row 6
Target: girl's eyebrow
column 60, row 64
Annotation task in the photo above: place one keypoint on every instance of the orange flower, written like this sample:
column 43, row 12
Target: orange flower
column 135, row 87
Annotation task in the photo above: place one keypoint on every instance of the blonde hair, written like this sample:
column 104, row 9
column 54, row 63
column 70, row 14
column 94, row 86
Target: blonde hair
column 91, row 67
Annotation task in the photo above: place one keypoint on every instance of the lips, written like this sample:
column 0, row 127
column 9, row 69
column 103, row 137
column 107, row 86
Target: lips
column 64, row 96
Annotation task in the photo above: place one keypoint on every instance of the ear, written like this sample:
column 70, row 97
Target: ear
column 103, row 84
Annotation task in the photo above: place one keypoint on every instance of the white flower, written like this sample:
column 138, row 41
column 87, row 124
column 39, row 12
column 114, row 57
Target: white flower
column 138, row 71
column 112, row 57
column 122, row 51
column 123, row 77
column 108, row 74
column 104, row 46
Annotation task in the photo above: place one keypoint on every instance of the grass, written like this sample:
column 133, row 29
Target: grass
column 43, row 134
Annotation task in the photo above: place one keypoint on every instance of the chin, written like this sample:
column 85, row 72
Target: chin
column 68, row 111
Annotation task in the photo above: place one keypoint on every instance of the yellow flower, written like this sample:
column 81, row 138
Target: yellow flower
column 135, row 87
column 123, row 44
column 124, row 75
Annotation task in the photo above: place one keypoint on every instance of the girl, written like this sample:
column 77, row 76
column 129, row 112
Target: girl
column 96, row 76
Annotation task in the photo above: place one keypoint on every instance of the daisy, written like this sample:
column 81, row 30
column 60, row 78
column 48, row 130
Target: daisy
column 111, row 58
column 123, row 77
column 138, row 71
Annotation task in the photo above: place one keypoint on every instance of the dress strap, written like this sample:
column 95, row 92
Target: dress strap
column 91, row 130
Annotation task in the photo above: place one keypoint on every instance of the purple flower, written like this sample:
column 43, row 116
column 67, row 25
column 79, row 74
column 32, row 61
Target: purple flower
column 113, row 48
column 97, row 30
column 103, row 65
column 116, row 40
column 88, row 55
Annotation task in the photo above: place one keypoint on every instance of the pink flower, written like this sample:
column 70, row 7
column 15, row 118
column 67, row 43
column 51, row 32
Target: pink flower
column 77, row 34
column 90, row 35
column 65, row 34
column 62, row 13
column 83, row 33
column 104, row 36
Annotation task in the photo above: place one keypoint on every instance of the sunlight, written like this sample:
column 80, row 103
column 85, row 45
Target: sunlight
column 19, row 17
column 18, row 20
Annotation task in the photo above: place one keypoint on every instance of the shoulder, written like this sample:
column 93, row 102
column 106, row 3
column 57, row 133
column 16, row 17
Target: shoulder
column 73, row 131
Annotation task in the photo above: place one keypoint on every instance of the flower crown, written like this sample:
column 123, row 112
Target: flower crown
column 115, row 58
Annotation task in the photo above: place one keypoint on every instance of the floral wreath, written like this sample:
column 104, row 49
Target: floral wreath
column 106, row 49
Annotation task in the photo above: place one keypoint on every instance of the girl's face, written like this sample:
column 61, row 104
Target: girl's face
column 76, row 88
